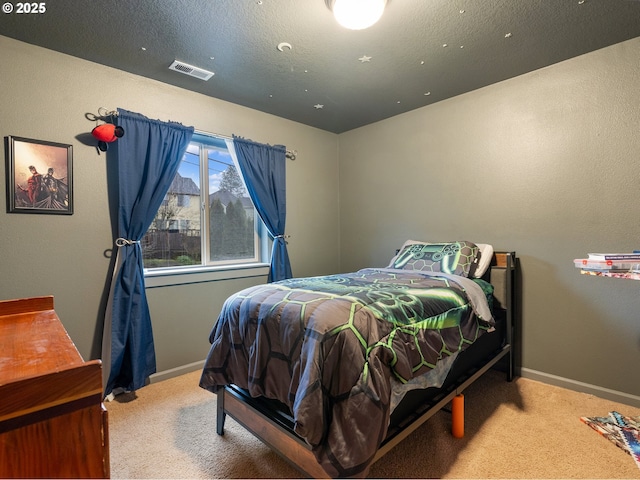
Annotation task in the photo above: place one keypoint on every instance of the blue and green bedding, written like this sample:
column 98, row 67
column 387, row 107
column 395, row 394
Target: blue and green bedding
column 330, row 347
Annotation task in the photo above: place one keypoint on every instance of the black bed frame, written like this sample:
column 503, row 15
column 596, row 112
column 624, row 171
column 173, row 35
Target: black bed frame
column 271, row 421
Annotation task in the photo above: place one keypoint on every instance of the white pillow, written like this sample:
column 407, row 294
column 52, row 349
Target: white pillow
column 486, row 254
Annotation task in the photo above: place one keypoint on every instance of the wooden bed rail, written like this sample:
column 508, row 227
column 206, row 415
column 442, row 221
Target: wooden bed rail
column 500, row 259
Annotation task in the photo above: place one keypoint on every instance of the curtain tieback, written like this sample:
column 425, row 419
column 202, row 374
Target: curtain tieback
column 122, row 242
column 283, row 237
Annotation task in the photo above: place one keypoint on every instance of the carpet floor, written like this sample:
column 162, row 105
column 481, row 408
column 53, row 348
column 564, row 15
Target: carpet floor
column 519, row 429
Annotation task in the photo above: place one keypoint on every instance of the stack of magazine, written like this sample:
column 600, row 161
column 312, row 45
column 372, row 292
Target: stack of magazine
column 623, row 431
column 611, row 263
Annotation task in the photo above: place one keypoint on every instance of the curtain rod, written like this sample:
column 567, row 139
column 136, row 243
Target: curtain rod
column 290, row 154
column 103, row 113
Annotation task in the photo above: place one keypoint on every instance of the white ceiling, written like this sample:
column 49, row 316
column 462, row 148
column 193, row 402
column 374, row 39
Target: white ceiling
column 420, row 52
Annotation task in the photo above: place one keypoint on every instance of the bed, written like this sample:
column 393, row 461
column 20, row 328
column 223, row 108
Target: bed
column 332, row 372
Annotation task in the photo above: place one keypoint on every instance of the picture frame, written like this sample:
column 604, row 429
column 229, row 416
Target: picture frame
column 39, row 176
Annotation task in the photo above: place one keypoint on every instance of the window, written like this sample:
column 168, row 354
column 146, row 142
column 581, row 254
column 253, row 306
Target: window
column 207, row 217
column 184, row 200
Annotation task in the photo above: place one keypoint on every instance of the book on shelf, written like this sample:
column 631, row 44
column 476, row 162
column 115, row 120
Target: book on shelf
column 606, row 265
column 614, row 256
column 607, row 273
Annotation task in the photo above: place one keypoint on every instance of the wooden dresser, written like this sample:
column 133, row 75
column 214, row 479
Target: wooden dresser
column 52, row 420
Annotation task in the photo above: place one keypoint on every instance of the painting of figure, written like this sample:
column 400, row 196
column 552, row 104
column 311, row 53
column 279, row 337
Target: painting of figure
column 39, row 176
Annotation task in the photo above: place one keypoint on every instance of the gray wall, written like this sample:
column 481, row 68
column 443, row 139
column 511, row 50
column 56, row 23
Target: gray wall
column 545, row 164
column 45, row 95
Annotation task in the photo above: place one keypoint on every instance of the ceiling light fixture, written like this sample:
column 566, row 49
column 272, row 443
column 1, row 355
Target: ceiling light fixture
column 356, row 14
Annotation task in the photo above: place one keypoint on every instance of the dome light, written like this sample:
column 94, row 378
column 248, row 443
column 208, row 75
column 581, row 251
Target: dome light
column 357, row 14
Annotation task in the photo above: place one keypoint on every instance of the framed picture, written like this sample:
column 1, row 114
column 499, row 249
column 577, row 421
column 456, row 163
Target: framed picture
column 39, row 176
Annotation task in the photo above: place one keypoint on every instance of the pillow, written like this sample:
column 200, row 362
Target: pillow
column 405, row 244
column 458, row 258
column 486, row 254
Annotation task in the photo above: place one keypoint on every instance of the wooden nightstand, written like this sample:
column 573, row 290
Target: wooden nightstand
column 52, row 420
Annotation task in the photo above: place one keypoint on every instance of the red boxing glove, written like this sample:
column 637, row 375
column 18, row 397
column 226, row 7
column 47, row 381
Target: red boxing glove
column 107, row 132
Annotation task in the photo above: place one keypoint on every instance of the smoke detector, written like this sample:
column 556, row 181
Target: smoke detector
column 190, row 70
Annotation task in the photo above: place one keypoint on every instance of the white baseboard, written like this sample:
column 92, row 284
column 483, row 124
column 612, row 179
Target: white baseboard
column 176, row 372
column 576, row 386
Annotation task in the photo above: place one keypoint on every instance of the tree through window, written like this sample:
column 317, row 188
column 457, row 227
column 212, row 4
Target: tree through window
column 207, row 216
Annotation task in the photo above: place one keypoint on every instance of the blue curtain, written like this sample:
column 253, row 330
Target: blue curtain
column 264, row 170
column 148, row 157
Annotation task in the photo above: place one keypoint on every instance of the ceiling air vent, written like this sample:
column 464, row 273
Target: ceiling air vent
column 190, row 70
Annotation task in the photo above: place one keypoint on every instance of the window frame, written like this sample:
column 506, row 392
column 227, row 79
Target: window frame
column 209, row 270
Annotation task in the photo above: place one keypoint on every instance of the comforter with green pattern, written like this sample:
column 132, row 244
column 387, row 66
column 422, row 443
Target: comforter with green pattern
column 328, row 346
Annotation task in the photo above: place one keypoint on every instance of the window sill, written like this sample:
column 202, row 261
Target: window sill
column 184, row 276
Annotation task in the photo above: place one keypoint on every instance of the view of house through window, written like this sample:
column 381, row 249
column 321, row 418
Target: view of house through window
column 207, row 217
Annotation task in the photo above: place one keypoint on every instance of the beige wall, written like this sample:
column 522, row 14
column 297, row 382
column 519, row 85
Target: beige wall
column 45, row 95
column 545, row 164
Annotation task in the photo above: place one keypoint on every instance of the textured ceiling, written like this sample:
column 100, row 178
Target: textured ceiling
column 420, row 52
